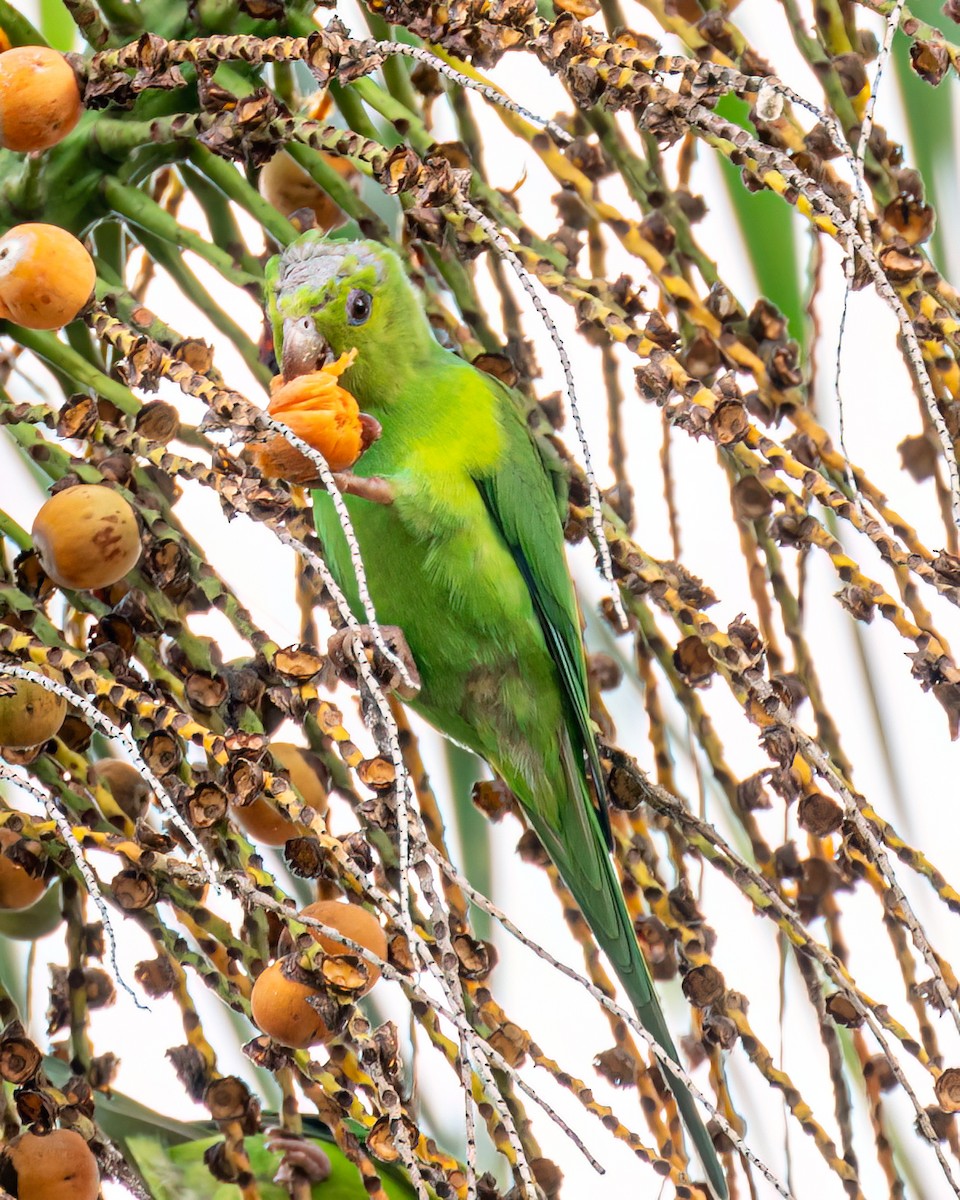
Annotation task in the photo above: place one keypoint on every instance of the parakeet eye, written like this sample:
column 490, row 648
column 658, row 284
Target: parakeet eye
column 359, row 304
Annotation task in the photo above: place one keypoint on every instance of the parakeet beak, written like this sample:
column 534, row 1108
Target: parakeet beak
column 304, row 349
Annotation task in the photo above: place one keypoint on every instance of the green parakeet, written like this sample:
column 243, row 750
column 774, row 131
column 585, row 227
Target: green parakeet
column 459, row 519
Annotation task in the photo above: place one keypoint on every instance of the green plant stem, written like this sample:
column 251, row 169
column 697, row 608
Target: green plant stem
column 18, row 29
column 87, row 19
column 220, row 217
column 118, row 139
column 394, row 68
column 80, row 339
column 65, row 360
column 123, row 18
column 643, row 181
column 141, row 210
column 168, row 257
column 236, row 188
column 25, row 194
column 348, row 102
column 285, row 85
column 9, row 528
column 109, row 239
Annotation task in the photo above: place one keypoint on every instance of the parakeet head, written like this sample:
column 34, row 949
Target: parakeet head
column 327, row 297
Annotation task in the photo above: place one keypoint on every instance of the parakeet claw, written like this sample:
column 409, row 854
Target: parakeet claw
column 300, row 1156
column 340, row 653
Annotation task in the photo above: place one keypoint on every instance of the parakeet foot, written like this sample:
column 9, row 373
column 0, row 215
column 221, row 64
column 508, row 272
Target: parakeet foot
column 300, row 1157
column 340, row 652
column 367, row 487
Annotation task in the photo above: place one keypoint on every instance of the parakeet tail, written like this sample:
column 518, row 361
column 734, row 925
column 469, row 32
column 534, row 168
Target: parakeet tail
column 578, row 851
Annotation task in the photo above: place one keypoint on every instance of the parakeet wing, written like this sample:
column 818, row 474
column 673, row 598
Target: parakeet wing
column 527, row 504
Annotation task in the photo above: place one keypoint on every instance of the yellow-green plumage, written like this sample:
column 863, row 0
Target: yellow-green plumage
column 468, row 560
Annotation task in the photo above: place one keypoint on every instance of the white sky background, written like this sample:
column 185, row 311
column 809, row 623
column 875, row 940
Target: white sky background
column 880, row 409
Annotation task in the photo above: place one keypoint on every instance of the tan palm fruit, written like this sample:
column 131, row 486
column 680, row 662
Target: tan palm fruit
column 261, row 821
column 288, row 187
column 87, row 537
column 29, row 714
column 58, row 1165
column 127, row 786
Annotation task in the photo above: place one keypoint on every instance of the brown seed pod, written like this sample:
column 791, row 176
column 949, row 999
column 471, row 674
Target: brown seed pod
column 279, row 1007
column 947, row 1089
column 29, row 714
column 127, row 786
column 20, row 1059
column 228, row 1099
column 18, row 888
column 703, row 985
column 87, row 537
column 133, row 889
column 819, row 814
column 46, row 276
column 39, row 98
column 161, row 752
column 58, row 1165
column 380, row 1142
column 206, row 805
column 842, row 1009
column 353, row 922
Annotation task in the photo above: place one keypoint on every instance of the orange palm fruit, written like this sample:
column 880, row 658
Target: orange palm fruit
column 267, row 825
column 18, row 888
column 29, row 714
column 279, row 1006
column 58, row 1165
column 86, row 537
column 263, row 823
column 322, row 413
column 39, row 98
column 302, row 766
column 353, row 922
column 46, row 275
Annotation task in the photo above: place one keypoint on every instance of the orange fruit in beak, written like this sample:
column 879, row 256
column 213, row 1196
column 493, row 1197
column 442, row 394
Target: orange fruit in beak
column 321, row 412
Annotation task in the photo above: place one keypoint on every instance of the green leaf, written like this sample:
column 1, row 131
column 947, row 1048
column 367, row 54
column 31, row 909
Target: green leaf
column 180, row 1173
column 767, row 226
column 56, row 25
